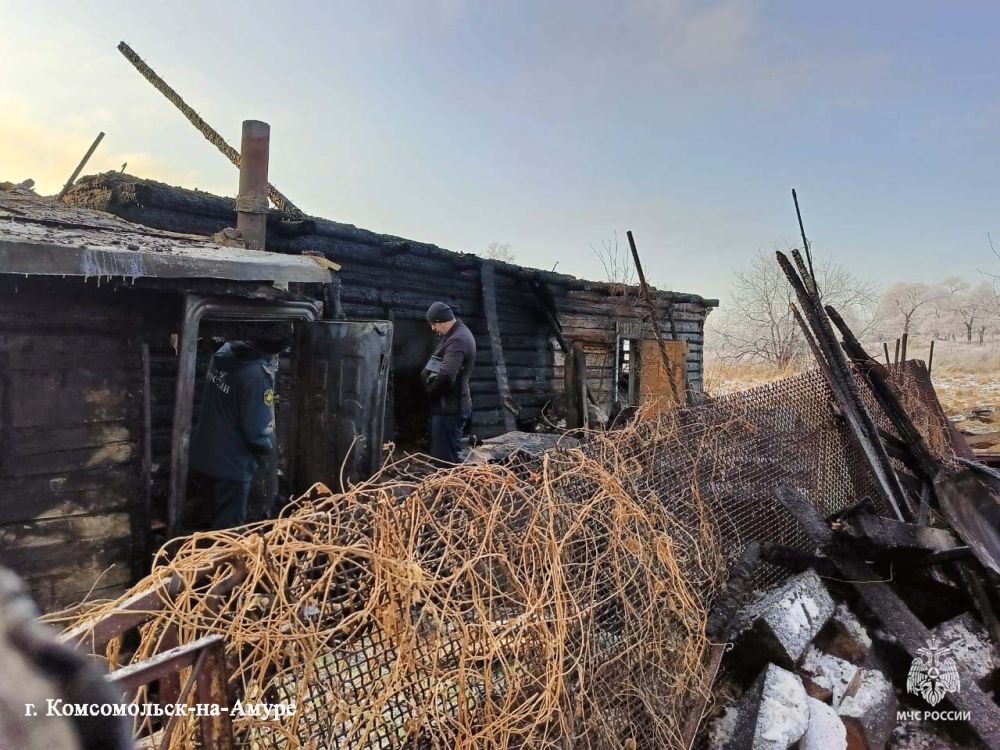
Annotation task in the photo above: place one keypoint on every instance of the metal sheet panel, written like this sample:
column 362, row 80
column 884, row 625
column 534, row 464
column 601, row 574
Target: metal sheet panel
column 343, row 373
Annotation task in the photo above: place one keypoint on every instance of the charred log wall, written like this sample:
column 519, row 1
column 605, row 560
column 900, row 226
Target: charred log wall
column 392, row 278
column 71, row 439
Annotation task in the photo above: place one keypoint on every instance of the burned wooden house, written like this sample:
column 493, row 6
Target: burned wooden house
column 535, row 314
column 112, row 302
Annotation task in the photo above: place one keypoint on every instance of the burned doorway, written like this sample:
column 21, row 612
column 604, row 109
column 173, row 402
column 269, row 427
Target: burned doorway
column 410, row 415
column 233, row 339
column 196, row 310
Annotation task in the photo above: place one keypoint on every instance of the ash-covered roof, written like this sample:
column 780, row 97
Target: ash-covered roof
column 40, row 237
column 133, row 197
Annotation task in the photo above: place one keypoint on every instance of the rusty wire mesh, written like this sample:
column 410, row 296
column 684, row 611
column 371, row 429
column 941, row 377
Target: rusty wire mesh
column 550, row 602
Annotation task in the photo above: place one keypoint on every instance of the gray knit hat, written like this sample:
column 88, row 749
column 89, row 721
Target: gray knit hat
column 439, row 312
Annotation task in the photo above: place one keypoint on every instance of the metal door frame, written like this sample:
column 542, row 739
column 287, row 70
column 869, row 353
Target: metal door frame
column 196, row 309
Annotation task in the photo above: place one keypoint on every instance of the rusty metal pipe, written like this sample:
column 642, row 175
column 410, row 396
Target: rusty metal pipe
column 251, row 203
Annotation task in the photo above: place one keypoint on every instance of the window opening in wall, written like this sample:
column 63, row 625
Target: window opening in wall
column 628, row 371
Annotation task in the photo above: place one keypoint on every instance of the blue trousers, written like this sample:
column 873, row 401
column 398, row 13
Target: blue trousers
column 446, row 436
column 229, row 502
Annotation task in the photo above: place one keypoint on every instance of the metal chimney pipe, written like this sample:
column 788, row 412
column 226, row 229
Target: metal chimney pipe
column 251, row 203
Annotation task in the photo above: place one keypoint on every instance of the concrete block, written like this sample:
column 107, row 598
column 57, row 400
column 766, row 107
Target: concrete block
column 826, row 730
column 868, row 710
column 848, row 639
column 829, row 672
column 971, row 645
column 781, row 623
column 773, row 714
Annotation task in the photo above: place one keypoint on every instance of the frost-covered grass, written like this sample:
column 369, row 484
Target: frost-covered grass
column 965, row 375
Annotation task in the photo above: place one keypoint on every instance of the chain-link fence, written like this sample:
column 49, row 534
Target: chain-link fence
column 552, row 602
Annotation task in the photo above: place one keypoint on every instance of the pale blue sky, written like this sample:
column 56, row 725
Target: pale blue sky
column 549, row 125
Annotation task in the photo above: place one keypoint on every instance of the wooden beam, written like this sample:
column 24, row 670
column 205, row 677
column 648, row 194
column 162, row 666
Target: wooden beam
column 211, row 135
column 80, row 166
column 655, row 323
column 897, row 535
column 488, row 278
column 576, row 388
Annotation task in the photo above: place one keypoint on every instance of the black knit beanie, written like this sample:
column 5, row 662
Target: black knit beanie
column 439, row 312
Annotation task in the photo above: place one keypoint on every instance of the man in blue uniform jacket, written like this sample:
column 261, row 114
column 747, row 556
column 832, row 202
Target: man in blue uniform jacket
column 446, row 380
column 235, row 428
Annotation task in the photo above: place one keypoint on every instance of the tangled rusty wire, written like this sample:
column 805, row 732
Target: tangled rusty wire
column 552, row 602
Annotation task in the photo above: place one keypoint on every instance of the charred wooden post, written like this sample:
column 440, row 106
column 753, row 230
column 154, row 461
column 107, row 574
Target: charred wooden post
column 251, row 203
column 507, row 406
column 576, row 388
column 80, row 166
column 888, row 398
column 885, row 347
column 144, row 533
column 797, row 560
column 655, row 323
column 718, row 627
column 843, row 386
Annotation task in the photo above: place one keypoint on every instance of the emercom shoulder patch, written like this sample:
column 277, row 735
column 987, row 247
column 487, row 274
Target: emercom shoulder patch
column 269, row 397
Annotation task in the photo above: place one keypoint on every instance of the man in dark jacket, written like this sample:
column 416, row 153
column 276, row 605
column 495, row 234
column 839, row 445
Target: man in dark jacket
column 235, row 429
column 446, row 379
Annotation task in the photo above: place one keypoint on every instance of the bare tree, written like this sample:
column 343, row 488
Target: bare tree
column 907, row 303
column 617, row 262
column 758, row 325
column 499, row 251
column 940, row 316
column 975, row 309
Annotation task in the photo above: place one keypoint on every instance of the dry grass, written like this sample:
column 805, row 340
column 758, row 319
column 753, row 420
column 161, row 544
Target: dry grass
column 724, row 376
column 965, row 375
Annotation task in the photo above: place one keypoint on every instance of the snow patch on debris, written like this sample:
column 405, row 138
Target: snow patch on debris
column 918, row 735
column 869, row 709
column 783, row 717
column 826, row 731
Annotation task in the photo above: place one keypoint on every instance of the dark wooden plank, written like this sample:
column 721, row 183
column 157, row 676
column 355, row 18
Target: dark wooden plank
column 52, row 600
column 67, row 461
column 57, row 559
column 28, row 441
column 36, row 507
column 67, row 398
column 117, row 481
column 109, row 566
column 63, row 531
column 898, row 535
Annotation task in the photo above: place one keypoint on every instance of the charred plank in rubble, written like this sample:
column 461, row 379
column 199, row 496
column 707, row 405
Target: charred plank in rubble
column 896, row 617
